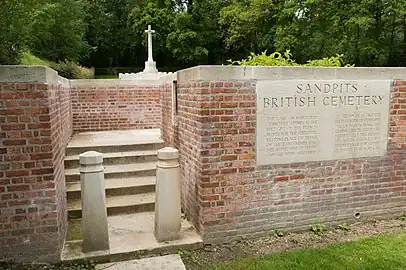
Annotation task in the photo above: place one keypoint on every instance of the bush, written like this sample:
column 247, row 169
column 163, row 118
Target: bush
column 67, row 69
column 86, row 73
column 72, row 70
column 278, row 59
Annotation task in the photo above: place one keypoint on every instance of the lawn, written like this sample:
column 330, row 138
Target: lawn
column 383, row 252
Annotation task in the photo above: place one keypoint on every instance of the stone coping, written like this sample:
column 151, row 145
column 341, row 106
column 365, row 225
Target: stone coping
column 42, row 74
column 112, row 83
column 31, row 74
column 230, row 73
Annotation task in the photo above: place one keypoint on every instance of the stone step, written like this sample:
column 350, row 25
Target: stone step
column 130, row 236
column 148, row 145
column 113, row 158
column 117, row 187
column 117, row 205
column 117, row 171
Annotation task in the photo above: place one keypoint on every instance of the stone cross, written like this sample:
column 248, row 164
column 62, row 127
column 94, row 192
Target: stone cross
column 150, row 32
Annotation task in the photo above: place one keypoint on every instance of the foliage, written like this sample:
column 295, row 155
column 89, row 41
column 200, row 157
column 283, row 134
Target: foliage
column 15, row 15
column 318, row 228
column 195, row 37
column 403, row 217
column 344, row 227
column 278, row 59
column 248, row 24
column 383, row 252
column 28, row 59
column 278, row 233
column 57, row 30
column 184, row 42
column 67, row 69
column 110, row 33
column 334, row 61
column 72, row 70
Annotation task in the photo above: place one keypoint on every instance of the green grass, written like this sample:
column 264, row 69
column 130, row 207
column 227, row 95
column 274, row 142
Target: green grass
column 28, row 59
column 383, row 252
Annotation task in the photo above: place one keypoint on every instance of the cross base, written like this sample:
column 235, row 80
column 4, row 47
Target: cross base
column 150, row 66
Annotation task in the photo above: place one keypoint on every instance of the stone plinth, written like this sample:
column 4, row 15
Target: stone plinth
column 150, row 67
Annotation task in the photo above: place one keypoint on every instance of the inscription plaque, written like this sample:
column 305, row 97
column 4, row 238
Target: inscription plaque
column 301, row 121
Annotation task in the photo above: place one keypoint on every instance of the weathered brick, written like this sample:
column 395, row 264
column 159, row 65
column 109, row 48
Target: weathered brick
column 41, row 156
column 11, row 111
column 17, row 173
column 14, row 142
column 30, row 155
column 18, row 188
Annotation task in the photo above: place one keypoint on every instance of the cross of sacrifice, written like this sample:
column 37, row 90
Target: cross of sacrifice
column 150, row 32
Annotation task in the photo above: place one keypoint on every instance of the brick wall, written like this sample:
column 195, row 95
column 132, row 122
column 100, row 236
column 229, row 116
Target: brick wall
column 35, row 127
column 169, row 130
column 61, row 129
column 184, row 136
column 113, row 105
column 226, row 195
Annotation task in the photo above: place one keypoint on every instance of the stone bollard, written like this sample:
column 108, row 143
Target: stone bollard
column 94, row 212
column 167, row 202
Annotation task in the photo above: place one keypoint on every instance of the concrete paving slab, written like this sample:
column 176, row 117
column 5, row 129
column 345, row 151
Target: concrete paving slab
column 111, row 138
column 168, row 262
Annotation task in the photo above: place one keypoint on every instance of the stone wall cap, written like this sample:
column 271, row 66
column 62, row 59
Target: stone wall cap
column 30, row 74
column 168, row 153
column 245, row 73
column 112, row 83
column 91, row 157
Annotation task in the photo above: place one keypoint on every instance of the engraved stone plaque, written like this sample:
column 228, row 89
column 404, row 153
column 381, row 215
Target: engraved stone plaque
column 301, row 121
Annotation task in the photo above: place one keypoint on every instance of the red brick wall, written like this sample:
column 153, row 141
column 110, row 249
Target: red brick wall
column 169, row 129
column 101, row 108
column 61, row 130
column 227, row 195
column 184, row 137
column 35, row 127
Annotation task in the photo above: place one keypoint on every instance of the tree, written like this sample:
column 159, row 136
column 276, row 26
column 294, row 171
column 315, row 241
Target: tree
column 160, row 18
column 15, row 16
column 248, row 25
column 57, row 30
column 367, row 32
column 196, row 35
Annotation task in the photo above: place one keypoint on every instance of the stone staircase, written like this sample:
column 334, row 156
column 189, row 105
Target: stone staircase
column 129, row 175
column 129, row 160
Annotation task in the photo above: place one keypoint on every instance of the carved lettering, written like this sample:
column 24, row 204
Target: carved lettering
column 300, row 121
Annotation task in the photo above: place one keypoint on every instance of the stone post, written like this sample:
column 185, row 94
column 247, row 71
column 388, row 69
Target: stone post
column 94, row 212
column 167, row 202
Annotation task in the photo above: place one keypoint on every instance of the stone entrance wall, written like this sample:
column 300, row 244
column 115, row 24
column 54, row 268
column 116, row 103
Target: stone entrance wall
column 227, row 194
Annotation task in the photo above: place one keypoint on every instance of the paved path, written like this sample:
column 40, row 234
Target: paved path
column 169, row 262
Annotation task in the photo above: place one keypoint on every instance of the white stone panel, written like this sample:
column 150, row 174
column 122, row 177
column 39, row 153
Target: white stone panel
column 302, row 120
